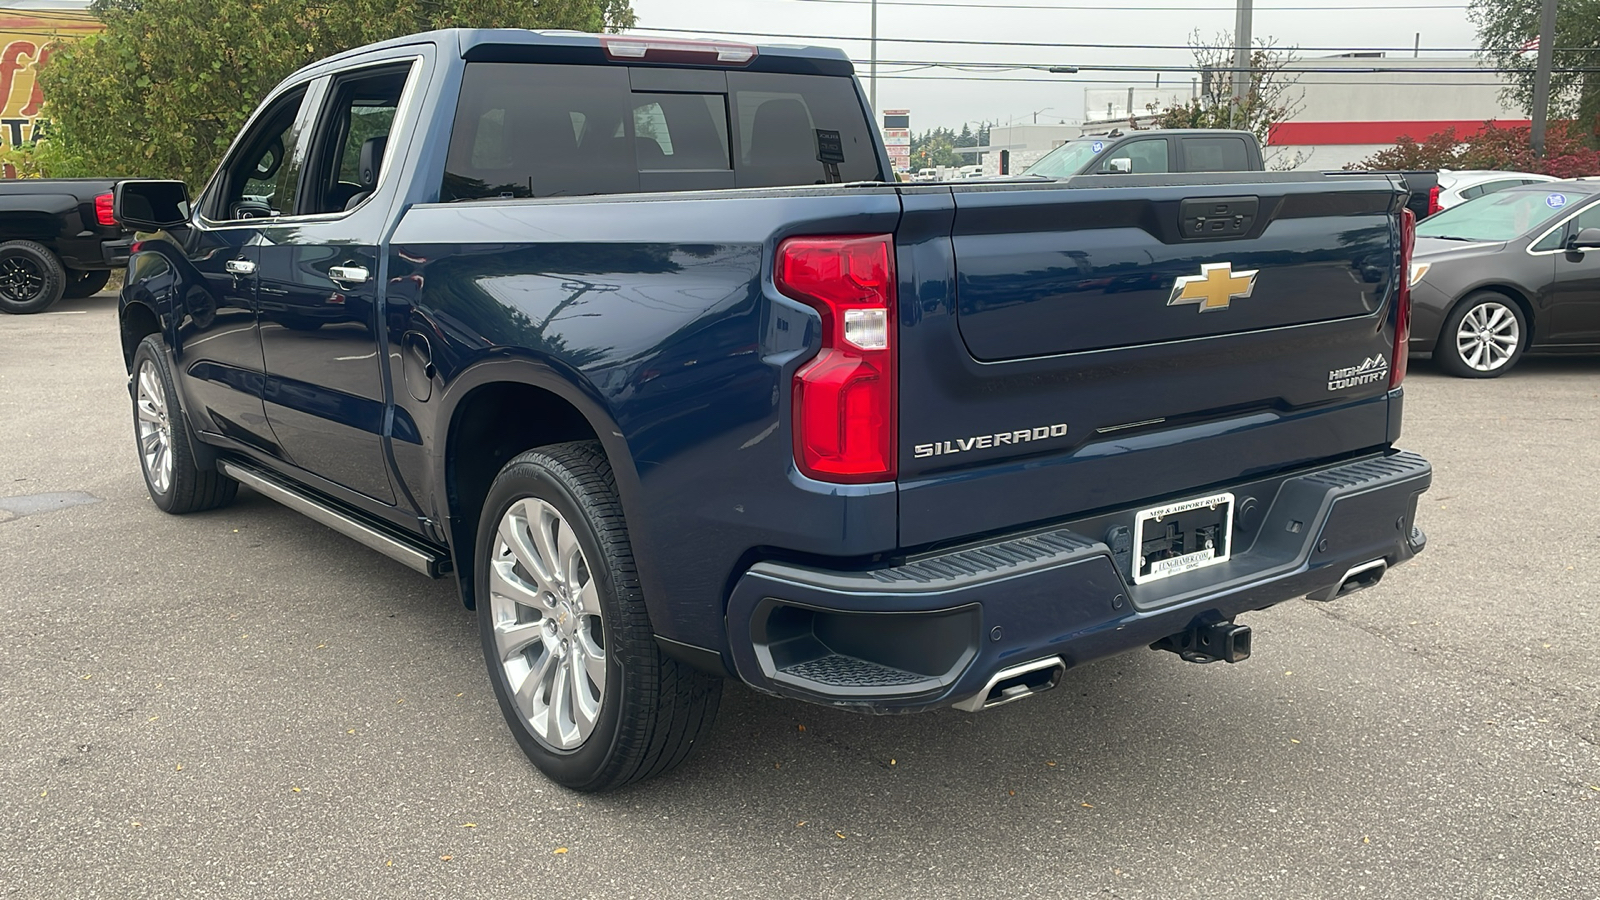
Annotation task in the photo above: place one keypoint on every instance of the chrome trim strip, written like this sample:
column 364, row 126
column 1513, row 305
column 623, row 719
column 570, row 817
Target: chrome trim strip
column 1110, row 428
column 405, row 554
column 1582, row 208
column 975, row 702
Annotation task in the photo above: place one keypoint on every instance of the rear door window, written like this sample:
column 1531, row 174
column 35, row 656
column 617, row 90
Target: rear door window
column 1215, row 154
column 537, row 130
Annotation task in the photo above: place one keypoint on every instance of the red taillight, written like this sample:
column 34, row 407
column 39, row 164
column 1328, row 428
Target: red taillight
column 1402, row 313
column 844, row 399
column 102, row 209
column 1433, row 200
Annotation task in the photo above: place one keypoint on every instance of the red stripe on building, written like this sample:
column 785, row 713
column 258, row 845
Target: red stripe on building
column 1297, row 134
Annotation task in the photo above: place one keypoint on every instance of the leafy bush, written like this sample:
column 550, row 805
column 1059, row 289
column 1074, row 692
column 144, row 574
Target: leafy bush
column 1567, row 151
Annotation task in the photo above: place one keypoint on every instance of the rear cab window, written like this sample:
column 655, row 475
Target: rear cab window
column 1215, row 154
column 541, row 130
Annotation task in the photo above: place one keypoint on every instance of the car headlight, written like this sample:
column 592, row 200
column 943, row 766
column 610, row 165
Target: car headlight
column 1418, row 269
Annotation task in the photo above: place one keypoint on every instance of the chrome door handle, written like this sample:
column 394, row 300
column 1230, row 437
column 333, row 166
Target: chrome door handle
column 349, row 274
column 239, row 267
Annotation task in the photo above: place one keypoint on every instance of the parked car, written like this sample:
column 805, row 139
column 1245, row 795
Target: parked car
column 57, row 239
column 1508, row 273
column 1152, row 152
column 669, row 418
column 1457, row 186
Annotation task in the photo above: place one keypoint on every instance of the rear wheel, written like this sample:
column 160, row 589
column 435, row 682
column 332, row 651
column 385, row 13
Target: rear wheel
column 570, row 651
column 1483, row 337
column 81, row 283
column 175, row 483
column 31, row 278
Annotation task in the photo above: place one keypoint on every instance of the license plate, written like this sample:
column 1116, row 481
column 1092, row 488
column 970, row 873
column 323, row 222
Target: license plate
column 1181, row 537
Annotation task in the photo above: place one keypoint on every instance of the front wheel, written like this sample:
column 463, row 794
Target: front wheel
column 166, row 457
column 1483, row 337
column 570, row 651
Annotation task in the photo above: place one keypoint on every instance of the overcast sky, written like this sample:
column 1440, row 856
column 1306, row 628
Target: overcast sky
column 1304, row 23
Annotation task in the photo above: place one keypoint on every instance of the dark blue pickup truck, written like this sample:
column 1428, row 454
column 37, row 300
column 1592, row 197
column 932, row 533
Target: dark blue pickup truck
column 639, row 342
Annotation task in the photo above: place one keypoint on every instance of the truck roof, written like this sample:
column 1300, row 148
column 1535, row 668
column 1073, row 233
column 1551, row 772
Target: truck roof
column 558, row 46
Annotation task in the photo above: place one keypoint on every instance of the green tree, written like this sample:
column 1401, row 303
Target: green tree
column 936, row 147
column 163, row 90
column 1274, row 95
column 1506, row 26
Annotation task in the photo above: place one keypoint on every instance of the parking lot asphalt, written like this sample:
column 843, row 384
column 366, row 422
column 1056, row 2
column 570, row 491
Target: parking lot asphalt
column 245, row 704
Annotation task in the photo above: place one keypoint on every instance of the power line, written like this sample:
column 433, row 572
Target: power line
column 1052, row 44
column 926, row 4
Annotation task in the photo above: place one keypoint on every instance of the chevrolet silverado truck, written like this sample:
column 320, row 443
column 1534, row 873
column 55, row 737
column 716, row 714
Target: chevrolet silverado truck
column 639, row 343
column 57, row 239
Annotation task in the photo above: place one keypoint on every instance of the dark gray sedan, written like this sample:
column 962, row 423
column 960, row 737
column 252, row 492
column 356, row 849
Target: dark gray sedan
column 1508, row 273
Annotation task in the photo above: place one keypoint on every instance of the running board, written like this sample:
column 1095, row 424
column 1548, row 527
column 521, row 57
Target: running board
column 407, row 553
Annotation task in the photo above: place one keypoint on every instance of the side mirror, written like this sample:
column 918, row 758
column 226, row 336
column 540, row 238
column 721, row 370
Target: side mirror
column 1587, row 239
column 148, row 205
column 1122, row 165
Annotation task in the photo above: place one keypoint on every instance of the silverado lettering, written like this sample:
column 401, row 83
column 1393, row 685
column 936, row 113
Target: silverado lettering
column 987, row 441
column 608, row 331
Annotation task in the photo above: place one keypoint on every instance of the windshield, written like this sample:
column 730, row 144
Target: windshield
column 1497, row 217
column 1066, row 160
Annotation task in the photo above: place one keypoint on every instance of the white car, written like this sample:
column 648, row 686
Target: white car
column 1458, row 186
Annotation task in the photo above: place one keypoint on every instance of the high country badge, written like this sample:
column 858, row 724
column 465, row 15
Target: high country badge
column 1375, row 368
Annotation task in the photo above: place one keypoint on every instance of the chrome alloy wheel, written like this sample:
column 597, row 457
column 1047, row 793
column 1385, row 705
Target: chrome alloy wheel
column 548, row 629
column 155, row 428
column 1488, row 336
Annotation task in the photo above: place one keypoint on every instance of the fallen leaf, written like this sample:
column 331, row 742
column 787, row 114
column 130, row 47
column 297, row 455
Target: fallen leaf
column 891, row 762
column 800, row 824
column 351, row 731
column 560, row 850
column 800, row 728
column 1289, row 673
column 447, row 857
column 389, row 863
column 777, row 765
column 1011, row 793
column 153, row 718
column 1086, row 805
column 1365, row 839
column 839, row 835
column 1293, row 741
column 1051, row 763
column 137, row 824
column 179, row 768
column 296, row 790
column 1594, row 787
column 87, row 677
column 469, row 824
column 44, row 793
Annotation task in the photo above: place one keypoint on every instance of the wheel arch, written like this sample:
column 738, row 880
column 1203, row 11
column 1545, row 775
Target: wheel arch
column 136, row 321
column 498, row 409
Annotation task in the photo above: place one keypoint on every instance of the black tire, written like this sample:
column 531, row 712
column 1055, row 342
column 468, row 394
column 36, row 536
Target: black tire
column 188, row 488
column 81, row 283
column 653, row 708
column 31, row 278
column 1487, row 358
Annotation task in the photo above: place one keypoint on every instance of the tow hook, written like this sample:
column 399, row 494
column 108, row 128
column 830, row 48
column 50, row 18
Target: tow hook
column 1209, row 640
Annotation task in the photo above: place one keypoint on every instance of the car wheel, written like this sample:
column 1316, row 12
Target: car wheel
column 166, row 457
column 1483, row 337
column 31, row 278
column 570, row 651
column 81, row 284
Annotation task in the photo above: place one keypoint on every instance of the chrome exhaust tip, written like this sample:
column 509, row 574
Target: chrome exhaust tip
column 1016, row 682
column 1358, row 578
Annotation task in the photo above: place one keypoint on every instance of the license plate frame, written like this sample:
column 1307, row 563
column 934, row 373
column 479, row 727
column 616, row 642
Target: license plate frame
column 1213, row 511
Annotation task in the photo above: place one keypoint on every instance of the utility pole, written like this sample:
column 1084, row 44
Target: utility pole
column 1541, row 75
column 1241, row 54
column 873, row 99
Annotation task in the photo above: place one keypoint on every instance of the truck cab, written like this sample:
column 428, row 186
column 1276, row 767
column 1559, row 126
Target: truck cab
column 1157, row 151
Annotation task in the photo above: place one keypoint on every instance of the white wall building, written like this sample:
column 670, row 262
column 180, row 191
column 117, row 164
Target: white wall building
column 1024, row 144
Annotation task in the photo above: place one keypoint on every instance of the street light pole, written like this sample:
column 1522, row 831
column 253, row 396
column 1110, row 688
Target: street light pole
column 873, row 99
column 1241, row 55
column 1541, row 75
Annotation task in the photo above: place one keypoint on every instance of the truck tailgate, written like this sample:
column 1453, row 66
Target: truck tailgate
column 1073, row 349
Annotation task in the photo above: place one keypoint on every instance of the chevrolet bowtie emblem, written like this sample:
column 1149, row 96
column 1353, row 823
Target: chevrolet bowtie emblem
column 1216, row 284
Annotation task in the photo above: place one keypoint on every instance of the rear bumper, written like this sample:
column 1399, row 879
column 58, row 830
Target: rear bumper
column 935, row 630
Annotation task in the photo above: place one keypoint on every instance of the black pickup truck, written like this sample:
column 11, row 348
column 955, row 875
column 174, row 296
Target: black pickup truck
column 57, row 239
column 640, row 344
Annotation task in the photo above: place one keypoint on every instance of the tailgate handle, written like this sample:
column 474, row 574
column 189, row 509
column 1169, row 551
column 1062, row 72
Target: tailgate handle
column 1217, row 218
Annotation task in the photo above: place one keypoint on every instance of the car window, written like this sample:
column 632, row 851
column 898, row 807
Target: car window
column 1147, row 156
column 1496, row 217
column 1215, row 154
column 800, row 129
column 352, row 137
column 1468, row 193
column 260, row 178
column 1493, row 186
column 1068, row 159
column 525, row 130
